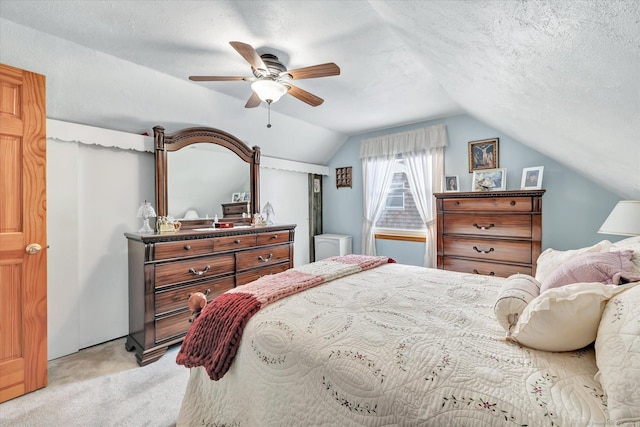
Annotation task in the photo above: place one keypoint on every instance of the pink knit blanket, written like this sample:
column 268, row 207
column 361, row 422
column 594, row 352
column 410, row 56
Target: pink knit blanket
column 214, row 337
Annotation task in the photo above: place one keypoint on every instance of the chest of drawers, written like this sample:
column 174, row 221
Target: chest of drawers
column 495, row 233
column 164, row 269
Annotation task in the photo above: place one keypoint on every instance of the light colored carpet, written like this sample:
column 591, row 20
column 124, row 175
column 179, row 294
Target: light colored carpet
column 103, row 386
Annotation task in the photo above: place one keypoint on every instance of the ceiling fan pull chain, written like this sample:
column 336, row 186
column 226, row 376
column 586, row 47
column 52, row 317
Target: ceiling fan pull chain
column 269, row 116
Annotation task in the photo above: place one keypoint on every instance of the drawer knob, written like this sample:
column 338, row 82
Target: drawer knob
column 275, row 236
column 513, row 203
column 187, row 247
column 457, row 203
column 483, row 227
column 491, row 273
column 265, row 259
column 201, row 272
column 482, row 251
column 237, row 241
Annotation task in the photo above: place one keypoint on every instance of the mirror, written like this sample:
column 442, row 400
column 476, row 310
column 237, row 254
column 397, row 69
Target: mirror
column 203, row 176
column 200, row 169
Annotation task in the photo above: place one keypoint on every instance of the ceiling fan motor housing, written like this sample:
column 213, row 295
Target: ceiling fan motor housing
column 274, row 67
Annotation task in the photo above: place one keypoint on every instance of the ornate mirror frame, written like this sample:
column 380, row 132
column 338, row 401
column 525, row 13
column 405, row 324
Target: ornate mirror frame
column 166, row 143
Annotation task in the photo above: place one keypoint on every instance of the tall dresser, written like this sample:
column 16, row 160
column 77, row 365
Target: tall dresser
column 164, row 269
column 495, row 233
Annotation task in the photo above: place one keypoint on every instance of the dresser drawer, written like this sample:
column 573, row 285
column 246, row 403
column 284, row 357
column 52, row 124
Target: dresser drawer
column 184, row 248
column 172, row 326
column 486, row 268
column 509, row 204
column 178, row 298
column 251, row 275
column 261, row 257
column 272, row 238
column 487, row 249
column 196, row 268
column 518, row 226
column 231, row 243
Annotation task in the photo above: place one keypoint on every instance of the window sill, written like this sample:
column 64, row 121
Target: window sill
column 403, row 236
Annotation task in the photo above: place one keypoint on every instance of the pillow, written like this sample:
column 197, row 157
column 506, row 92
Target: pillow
column 516, row 292
column 603, row 267
column 618, row 356
column 551, row 259
column 632, row 243
column 564, row 319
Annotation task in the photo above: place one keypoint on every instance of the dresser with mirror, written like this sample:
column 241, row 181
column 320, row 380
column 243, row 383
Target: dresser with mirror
column 198, row 171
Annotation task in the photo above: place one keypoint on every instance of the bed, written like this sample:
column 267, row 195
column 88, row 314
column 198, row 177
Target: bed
column 404, row 345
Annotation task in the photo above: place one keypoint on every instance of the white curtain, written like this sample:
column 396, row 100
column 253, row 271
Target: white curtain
column 423, row 151
column 377, row 174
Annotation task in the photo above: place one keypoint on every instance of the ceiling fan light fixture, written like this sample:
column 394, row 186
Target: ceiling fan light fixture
column 269, row 91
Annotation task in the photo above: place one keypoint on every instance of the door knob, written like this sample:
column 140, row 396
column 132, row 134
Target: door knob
column 33, row 248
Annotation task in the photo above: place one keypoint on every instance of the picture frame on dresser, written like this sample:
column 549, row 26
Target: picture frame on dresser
column 489, row 180
column 483, row 154
column 532, row 178
column 451, row 183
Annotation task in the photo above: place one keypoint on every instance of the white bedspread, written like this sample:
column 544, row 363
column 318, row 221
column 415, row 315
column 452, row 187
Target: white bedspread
column 396, row 345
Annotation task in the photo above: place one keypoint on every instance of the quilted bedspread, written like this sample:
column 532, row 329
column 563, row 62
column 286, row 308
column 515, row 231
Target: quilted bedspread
column 394, row 345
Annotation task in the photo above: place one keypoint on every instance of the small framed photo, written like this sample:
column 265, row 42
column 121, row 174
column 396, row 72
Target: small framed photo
column 483, row 154
column 489, row 180
column 246, row 196
column 451, row 183
column 237, row 197
column 532, row 178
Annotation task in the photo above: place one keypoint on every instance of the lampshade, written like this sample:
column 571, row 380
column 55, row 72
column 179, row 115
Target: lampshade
column 146, row 211
column 268, row 90
column 623, row 220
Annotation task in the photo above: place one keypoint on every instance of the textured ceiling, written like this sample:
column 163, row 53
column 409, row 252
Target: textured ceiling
column 559, row 76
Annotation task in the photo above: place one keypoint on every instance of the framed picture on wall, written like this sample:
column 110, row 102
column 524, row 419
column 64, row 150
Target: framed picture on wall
column 532, row 178
column 489, row 180
column 451, row 183
column 483, row 154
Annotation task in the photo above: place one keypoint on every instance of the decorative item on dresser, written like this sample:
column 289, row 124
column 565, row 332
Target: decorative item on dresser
column 494, row 233
column 237, row 210
column 165, row 269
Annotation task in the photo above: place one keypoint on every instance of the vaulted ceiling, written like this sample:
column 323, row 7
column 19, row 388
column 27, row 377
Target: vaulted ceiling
column 562, row 77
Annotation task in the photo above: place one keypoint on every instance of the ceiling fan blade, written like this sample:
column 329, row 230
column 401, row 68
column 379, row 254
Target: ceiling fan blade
column 254, row 101
column 304, row 96
column 322, row 70
column 250, row 55
column 215, row 78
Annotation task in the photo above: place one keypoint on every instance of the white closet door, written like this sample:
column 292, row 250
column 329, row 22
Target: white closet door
column 288, row 193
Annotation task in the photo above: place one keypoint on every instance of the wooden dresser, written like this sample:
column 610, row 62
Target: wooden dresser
column 164, row 269
column 495, row 233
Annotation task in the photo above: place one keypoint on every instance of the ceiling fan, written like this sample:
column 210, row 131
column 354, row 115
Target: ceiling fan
column 272, row 79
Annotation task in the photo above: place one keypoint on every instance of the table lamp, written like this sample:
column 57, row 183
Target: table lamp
column 145, row 211
column 624, row 219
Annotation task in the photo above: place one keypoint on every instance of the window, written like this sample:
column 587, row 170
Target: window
column 400, row 214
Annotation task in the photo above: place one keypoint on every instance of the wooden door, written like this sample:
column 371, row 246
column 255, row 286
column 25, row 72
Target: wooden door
column 23, row 233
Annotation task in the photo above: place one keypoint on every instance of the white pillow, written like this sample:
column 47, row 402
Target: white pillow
column 618, row 356
column 516, row 292
column 550, row 259
column 565, row 318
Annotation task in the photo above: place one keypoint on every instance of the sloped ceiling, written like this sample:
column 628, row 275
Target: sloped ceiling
column 560, row 76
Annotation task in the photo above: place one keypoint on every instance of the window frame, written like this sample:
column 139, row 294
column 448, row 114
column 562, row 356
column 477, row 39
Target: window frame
column 404, row 234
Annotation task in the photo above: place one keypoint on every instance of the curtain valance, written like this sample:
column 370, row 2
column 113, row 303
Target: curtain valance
column 413, row 141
